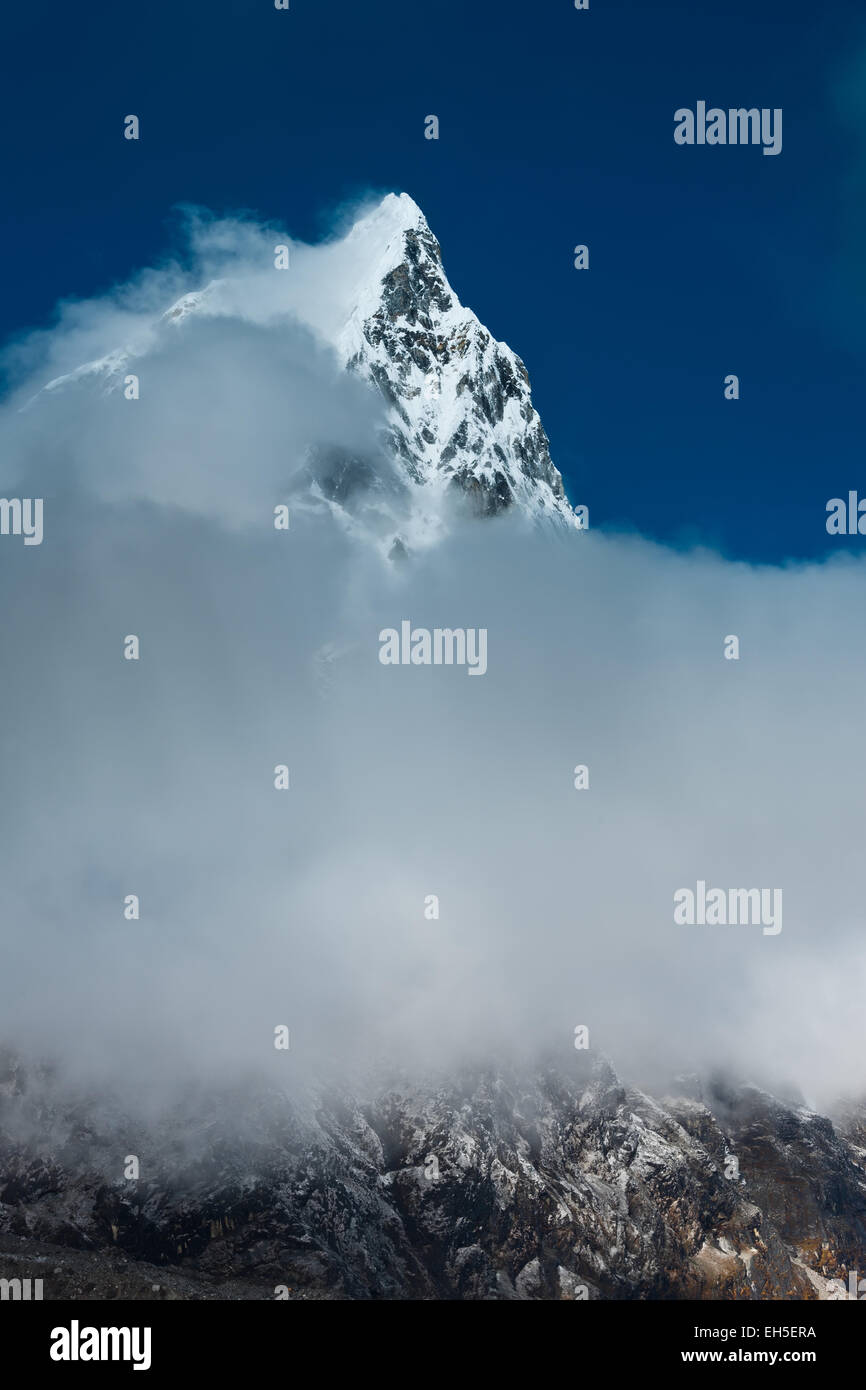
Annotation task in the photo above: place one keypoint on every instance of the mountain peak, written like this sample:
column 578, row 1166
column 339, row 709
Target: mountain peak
column 377, row 244
column 398, row 209
column 460, row 412
column 460, row 425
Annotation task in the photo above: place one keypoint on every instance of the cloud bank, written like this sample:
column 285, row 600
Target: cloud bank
column 260, row 648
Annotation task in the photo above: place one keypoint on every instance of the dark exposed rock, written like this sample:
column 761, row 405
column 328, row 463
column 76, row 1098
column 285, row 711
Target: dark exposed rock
column 551, row 1185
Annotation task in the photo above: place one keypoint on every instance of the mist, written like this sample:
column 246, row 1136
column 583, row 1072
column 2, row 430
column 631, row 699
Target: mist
column 309, row 908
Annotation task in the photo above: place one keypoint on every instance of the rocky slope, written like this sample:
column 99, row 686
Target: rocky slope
column 560, row 1184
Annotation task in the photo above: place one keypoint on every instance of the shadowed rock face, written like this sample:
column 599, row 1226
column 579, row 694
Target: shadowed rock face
column 559, row 1184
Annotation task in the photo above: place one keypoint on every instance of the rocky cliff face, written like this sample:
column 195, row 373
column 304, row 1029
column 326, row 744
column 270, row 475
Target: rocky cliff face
column 562, row 1184
column 460, row 409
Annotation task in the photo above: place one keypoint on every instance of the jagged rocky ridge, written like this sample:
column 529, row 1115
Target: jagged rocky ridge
column 461, row 411
column 559, row 1184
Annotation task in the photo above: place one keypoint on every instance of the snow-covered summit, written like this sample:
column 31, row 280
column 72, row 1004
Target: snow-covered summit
column 460, row 410
column 460, row 423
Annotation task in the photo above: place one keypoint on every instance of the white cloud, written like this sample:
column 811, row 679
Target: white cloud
column 306, row 907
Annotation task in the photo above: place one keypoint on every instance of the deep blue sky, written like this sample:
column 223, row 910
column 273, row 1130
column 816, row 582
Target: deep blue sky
column 556, row 128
